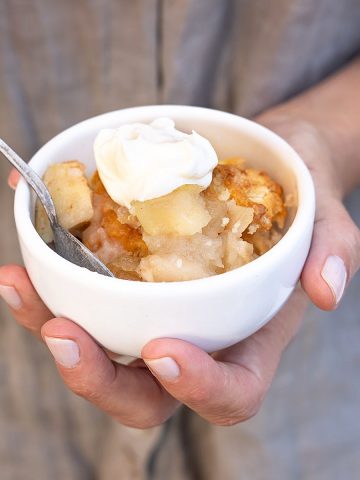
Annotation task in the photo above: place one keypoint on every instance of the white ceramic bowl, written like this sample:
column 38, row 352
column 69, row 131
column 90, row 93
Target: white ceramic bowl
column 212, row 313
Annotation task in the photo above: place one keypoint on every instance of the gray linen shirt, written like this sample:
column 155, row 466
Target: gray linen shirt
column 61, row 62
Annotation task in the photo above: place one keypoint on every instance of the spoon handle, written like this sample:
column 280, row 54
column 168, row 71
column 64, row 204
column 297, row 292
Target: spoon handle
column 32, row 178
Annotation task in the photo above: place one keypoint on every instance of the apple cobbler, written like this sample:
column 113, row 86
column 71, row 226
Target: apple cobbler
column 191, row 232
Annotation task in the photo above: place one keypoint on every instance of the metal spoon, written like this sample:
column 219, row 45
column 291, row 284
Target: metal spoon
column 66, row 245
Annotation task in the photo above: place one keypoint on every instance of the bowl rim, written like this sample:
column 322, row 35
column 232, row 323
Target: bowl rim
column 304, row 216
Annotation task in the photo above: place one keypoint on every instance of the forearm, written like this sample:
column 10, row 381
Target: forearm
column 333, row 108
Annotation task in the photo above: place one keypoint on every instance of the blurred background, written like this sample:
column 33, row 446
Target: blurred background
column 61, row 62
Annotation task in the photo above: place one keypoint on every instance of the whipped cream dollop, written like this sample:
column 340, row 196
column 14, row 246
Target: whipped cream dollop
column 138, row 162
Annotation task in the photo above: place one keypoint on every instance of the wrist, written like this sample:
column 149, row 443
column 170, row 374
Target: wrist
column 310, row 135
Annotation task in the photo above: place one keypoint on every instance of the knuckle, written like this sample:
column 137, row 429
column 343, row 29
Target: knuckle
column 154, row 420
column 354, row 233
column 140, row 423
column 200, row 395
column 84, row 390
column 79, row 389
column 347, row 234
column 352, row 242
column 129, row 415
column 251, row 409
column 247, row 409
column 236, row 417
column 153, row 417
column 228, row 421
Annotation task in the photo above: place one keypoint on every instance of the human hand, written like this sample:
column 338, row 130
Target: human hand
column 334, row 256
column 224, row 388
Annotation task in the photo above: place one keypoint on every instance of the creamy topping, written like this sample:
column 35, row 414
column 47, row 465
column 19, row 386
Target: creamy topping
column 141, row 162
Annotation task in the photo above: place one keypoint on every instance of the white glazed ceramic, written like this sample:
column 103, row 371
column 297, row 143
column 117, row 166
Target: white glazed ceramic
column 212, row 313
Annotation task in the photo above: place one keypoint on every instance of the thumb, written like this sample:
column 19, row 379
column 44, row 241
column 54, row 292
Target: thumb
column 334, row 255
column 221, row 392
column 229, row 386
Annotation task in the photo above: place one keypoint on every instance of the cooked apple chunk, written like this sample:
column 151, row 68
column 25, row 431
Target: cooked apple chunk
column 170, row 268
column 181, row 212
column 72, row 198
column 237, row 252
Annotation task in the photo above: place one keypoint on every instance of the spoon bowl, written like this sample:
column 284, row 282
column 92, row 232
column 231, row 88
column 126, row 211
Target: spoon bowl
column 66, row 245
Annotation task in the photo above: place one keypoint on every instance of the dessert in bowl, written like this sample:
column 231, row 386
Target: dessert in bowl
column 221, row 298
column 161, row 206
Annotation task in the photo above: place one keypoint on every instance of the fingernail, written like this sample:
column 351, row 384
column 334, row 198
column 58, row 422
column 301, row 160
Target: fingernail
column 334, row 274
column 65, row 351
column 165, row 368
column 11, row 296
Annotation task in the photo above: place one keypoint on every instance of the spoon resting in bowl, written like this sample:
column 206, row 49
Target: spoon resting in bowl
column 66, row 245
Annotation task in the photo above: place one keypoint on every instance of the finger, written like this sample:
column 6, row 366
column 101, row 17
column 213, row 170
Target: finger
column 21, row 297
column 129, row 394
column 334, row 256
column 230, row 387
column 335, row 251
column 13, row 178
column 222, row 393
